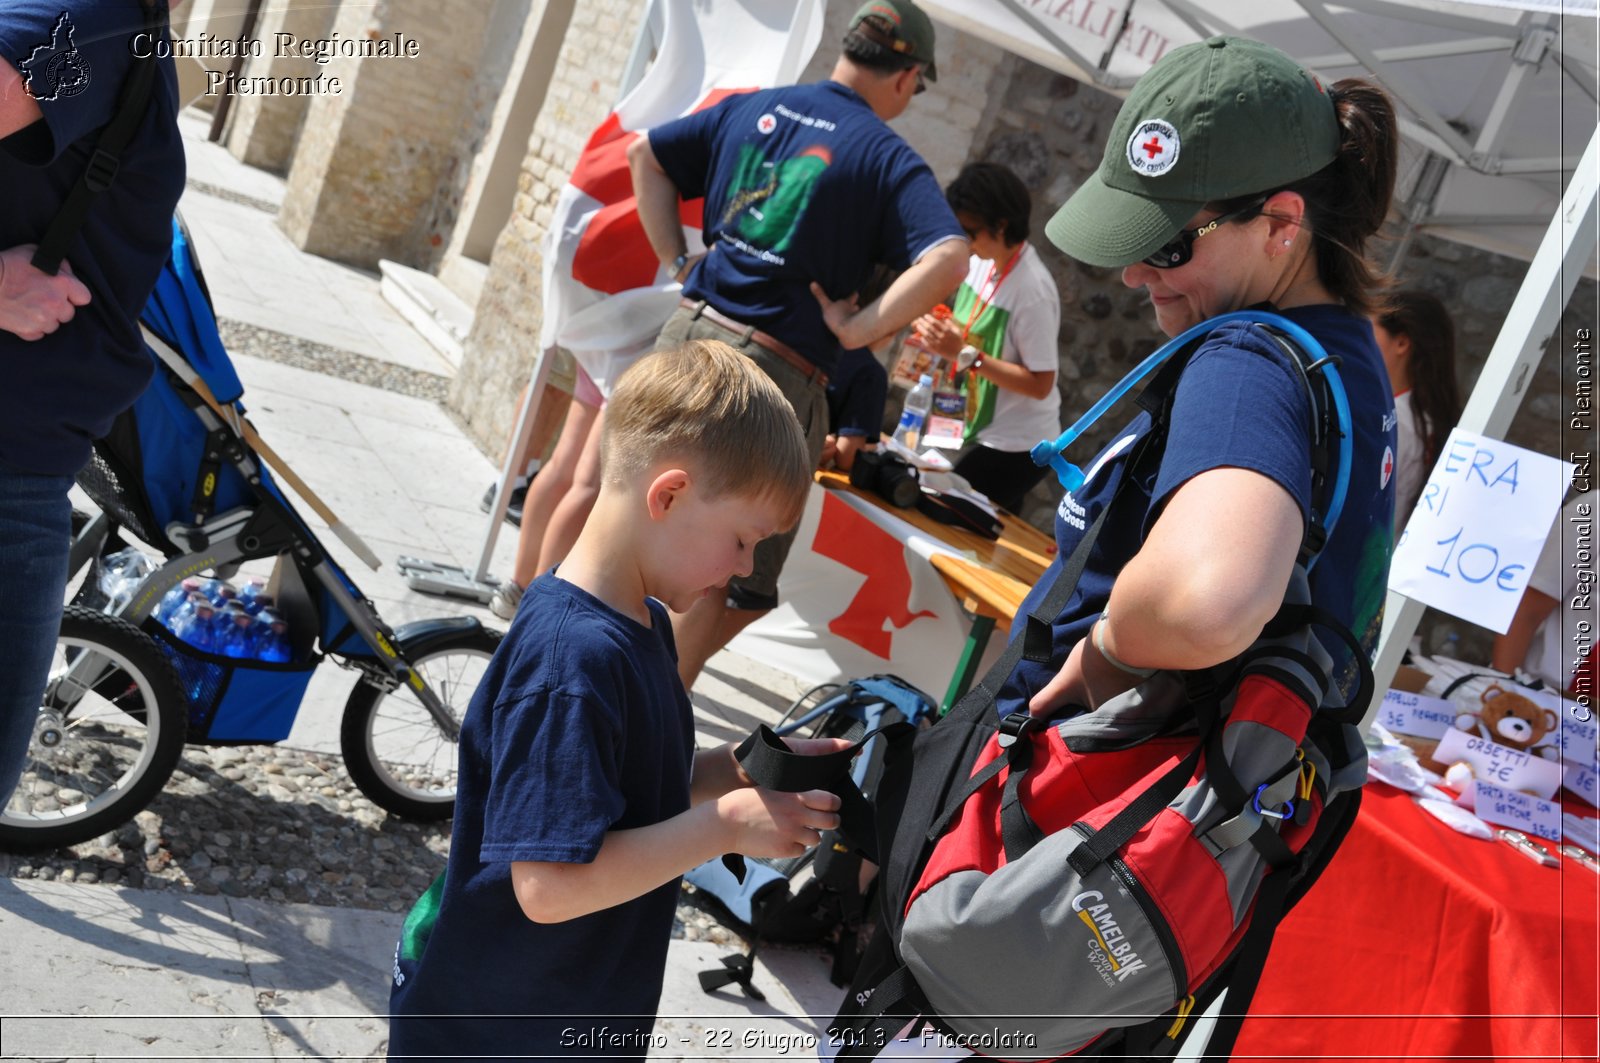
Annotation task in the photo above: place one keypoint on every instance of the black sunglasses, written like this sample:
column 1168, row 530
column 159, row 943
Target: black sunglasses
column 922, row 84
column 1180, row 249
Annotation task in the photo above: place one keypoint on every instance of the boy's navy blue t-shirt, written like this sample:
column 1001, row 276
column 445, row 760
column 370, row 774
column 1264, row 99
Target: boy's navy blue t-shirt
column 64, row 390
column 857, row 391
column 801, row 183
column 579, row 727
column 1239, row 403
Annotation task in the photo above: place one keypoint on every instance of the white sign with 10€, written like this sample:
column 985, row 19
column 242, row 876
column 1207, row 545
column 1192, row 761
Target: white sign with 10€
column 1478, row 528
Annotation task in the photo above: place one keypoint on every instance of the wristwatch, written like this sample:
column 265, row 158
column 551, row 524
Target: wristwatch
column 675, row 271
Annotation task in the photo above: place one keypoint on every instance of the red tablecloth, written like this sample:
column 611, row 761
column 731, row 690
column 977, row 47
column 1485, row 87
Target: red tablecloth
column 1420, row 943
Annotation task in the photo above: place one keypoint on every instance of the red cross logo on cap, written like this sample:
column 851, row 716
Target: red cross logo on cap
column 1153, row 147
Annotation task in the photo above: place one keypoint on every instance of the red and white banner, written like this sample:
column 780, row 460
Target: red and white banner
column 605, row 295
column 858, row 595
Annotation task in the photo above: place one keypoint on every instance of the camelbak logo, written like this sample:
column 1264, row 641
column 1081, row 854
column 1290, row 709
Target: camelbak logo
column 1109, row 951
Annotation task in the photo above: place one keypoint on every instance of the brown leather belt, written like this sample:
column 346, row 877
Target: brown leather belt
column 808, row 369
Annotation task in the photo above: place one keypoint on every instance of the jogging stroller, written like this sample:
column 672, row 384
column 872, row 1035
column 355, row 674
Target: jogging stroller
column 183, row 473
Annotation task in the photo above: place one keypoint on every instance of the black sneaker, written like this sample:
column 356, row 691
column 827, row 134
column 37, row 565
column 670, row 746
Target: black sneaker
column 513, row 507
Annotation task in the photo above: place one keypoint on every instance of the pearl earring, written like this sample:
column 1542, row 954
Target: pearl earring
column 1286, row 243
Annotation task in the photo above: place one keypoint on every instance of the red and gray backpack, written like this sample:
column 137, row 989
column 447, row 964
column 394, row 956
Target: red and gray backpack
column 1079, row 886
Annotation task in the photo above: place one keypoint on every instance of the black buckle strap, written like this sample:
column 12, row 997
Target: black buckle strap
column 1018, row 830
column 1137, row 814
column 101, row 172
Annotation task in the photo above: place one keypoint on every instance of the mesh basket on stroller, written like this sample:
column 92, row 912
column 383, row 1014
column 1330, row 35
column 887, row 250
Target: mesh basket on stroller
column 182, row 472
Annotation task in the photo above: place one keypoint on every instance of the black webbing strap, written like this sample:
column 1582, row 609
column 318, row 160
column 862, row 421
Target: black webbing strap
column 773, row 765
column 1036, row 643
column 1018, row 831
column 895, row 1001
column 1101, row 844
column 1037, row 639
column 106, row 158
column 205, row 482
column 1301, row 615
column 1272, row 902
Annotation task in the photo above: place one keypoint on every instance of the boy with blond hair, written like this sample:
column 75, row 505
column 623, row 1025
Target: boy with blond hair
column 581, row 799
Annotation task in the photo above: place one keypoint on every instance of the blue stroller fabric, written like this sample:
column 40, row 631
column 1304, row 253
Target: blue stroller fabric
column 159, row 445
column 179, row 311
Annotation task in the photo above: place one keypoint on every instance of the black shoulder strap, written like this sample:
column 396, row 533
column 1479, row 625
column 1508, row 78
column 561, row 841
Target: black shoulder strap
column 106, row 158
column 1035, row 641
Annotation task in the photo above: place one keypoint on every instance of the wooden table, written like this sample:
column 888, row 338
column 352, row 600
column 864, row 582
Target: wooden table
column 990, row 577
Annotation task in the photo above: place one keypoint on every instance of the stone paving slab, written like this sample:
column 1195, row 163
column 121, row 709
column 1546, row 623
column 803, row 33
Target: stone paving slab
column 96, row 972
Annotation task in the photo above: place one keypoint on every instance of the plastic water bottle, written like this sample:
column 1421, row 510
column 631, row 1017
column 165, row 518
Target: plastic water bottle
column 272, row 637
column 238, row 638
column 121, row 574
column 176, row 599
column 183, row 612
column 195, row 626
column 252, row 593
column 915, row 413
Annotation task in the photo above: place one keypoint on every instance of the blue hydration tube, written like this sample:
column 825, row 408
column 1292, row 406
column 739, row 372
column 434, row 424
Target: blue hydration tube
column 1049, row 452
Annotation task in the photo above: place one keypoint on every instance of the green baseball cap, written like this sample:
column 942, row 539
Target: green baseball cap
column 900, row 26
column 1212, row 120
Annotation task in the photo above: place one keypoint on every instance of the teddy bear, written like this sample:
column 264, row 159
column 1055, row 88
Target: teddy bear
column 1513, row 720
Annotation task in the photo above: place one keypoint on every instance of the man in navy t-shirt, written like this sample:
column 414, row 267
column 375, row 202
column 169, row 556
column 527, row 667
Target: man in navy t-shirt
column 806, row 187
column 70, row 354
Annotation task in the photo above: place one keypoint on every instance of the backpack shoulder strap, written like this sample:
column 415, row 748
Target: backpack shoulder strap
column 101, row 171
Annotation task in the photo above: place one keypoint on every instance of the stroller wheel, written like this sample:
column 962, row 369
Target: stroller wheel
column 110, row 729
column 393, row 749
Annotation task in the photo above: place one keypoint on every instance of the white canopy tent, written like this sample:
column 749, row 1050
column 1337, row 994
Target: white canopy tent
column 1501, row 93
column 1498, row 102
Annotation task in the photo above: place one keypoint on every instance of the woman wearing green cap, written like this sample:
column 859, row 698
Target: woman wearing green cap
column 1232, row 178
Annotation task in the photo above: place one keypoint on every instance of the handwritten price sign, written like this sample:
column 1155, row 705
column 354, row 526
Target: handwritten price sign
column 1478, row 528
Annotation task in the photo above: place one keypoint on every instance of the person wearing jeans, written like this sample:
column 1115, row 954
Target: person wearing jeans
column 71, row 358
column 35, row 529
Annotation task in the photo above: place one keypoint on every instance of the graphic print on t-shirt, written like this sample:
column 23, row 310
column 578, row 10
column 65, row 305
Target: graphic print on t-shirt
column 767, row 200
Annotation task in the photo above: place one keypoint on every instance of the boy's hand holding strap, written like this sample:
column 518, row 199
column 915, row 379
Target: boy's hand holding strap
column 771, row 764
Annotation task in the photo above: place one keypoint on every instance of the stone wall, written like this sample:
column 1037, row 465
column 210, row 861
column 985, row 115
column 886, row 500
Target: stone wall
column 216, row 19
column 942, row 123
column 380, row 166
column 262, row 129
column 501, row 349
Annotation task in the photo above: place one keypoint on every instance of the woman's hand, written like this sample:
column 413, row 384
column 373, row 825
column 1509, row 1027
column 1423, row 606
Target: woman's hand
column 938, row 335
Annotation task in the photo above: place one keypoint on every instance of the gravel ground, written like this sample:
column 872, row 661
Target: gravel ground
column 256, row 342
column 276, row 824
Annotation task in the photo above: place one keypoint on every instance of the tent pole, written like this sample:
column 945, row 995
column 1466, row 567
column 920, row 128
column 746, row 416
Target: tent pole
column 1568, row 243
column 1419, row 207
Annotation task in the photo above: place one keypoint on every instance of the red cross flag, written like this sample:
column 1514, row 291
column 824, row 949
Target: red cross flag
column 605, row 295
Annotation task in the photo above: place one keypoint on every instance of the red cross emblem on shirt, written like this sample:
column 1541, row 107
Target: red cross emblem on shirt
column 1153, row 147
column 1388, row 464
